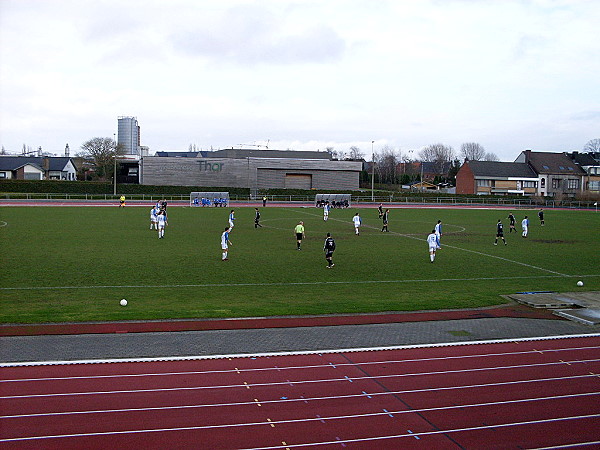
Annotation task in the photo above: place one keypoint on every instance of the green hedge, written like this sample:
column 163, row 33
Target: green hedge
column 93, row 187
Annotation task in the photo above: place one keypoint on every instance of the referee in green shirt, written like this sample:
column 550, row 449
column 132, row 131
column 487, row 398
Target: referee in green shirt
column 299, row 230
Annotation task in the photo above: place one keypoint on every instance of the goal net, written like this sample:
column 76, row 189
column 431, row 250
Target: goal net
column 207, row 199
column 335, row 200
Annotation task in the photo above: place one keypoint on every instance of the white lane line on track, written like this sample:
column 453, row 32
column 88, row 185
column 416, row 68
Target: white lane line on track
column 410, row 236
column 426, row 433
column 323, row 380
column 309, row 367
column 300, row 283
column 203, row 427
column 292, row 353
column 313, row 399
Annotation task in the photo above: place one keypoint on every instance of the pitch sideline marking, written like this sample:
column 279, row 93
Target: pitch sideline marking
column 291, row 283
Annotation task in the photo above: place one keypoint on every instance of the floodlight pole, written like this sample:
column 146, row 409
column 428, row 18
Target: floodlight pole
column 373, row 173
column 115, row 161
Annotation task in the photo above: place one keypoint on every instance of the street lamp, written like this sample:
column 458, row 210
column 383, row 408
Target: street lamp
column 373, row 173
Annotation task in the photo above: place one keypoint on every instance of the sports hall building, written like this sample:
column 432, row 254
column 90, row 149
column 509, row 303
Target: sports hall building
column 249, row 168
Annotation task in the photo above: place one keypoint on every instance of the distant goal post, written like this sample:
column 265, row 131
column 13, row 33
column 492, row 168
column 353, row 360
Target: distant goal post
column 335, row 200
column 208, row 199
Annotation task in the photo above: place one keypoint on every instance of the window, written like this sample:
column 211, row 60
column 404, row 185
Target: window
column 546, row 167
column 594, row 186
column 2, row 174
column 561, row 167
column 570, row 168
column 543, row 182
column 484, row 183
column 530, row 184
column 573, row 184
column 555, row 183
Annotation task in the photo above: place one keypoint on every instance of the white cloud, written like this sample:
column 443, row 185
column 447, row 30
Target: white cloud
column 308, row 74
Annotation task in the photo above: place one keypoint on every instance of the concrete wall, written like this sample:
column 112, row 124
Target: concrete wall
column 253, row 173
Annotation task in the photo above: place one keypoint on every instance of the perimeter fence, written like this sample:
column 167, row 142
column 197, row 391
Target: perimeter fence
column 524, row 202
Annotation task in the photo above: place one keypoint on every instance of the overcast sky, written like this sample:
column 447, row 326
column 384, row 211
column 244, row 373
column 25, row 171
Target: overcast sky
column 306, row 75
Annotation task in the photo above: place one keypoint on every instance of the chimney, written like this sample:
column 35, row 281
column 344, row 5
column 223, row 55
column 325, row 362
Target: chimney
column 527, row 155
column 67, row 150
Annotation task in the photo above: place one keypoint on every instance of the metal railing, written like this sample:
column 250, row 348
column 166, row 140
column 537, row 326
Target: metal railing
column 525, row 202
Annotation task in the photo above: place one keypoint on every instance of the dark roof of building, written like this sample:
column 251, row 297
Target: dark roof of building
column 14, row 162
column 240, row 153
column 550, row 163
column 501, row 169
column 179, row 154
column 583, row 159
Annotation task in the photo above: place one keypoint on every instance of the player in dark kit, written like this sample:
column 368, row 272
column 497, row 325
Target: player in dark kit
column 541, row 216
column 499, row 232
column 385, row 221
column 257, row 218
column 380, row 210
column 329, row 248
column 511, row 225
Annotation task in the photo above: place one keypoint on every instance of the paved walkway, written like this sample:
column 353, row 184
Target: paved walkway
column 294, row 338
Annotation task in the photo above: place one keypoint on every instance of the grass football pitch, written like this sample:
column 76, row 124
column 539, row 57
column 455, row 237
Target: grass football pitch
column 76, row 263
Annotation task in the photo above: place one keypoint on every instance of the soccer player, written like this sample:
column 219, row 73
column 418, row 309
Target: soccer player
column 511, row 225
column 264, row 201
column 225, row 243
column 154, row 218
column 329, row 248
column 231, row 220
column 438, row 233
column 380, row 210
column 541, row 216
column 525, row 226
column 326, row 211
column 162, row 223
column 357, row 222
column 499, row 232
column 432, row 243
column 385, row 221
column 299, row 230
column 122, row 201
column 257, row 218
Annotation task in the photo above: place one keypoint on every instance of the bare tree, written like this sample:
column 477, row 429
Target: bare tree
column 385, row 164
column 592, row 145
column 355, row 153
column 472, row 151
column 441, row 155
column 335, row 154
column 489, row 156
column 103, row 152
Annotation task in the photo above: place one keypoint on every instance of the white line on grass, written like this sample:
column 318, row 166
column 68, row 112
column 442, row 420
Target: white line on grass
column 293, row 283
column 463, row 249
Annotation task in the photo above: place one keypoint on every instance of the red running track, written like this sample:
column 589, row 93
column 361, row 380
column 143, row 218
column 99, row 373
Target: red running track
column 505, row 394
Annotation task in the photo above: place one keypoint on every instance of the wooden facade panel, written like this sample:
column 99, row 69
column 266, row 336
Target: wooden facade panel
column 253, row 173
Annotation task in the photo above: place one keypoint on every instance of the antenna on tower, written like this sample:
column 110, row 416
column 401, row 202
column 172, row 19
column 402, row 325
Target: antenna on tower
column 67, row 150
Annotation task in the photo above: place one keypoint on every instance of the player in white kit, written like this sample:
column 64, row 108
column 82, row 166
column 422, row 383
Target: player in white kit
column 357, row 222
column 162, row 223
column 438, row 233
column 525, row 226
column 225, row 242
column 433, row 244
column 154, row 218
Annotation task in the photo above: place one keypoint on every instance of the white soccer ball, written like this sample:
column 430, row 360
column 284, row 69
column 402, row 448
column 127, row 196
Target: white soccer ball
column 123, row 302
column 580, row 283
